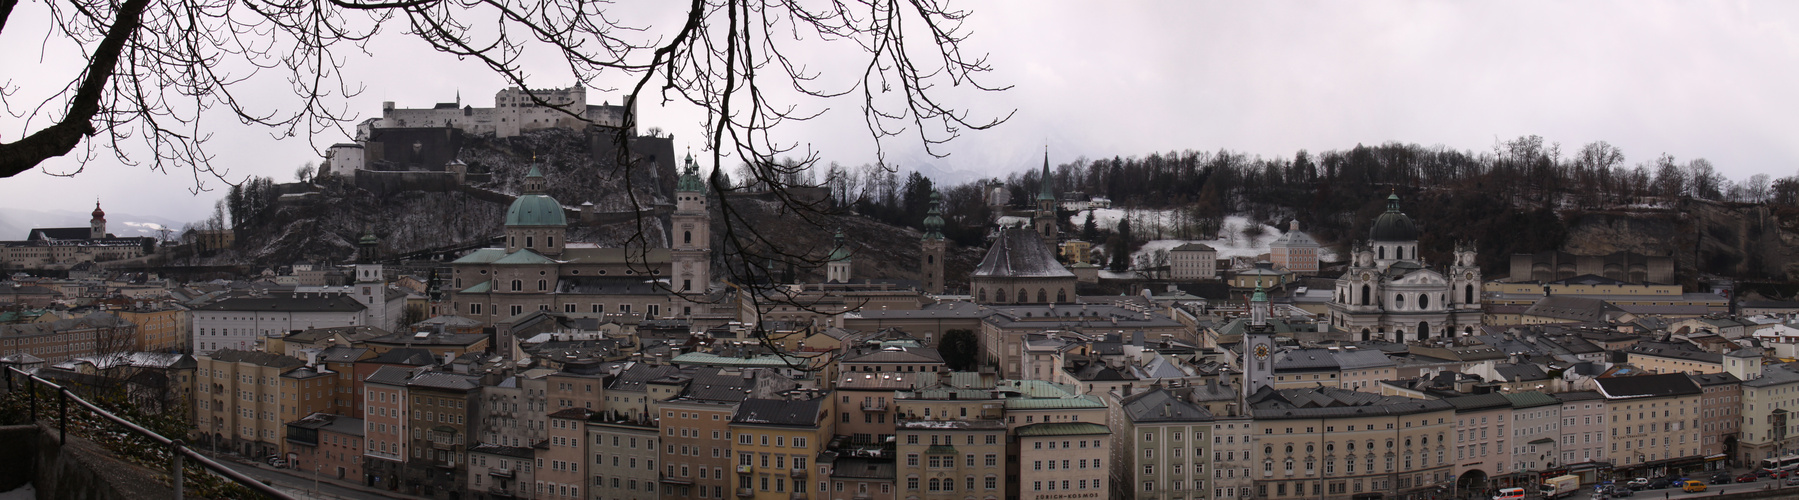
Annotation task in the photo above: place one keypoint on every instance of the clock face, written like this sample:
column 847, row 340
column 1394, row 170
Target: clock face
column 1366, row 276
column 1468, row 276
column 1261, row 352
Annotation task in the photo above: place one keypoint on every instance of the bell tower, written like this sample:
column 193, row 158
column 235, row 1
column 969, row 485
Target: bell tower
column 1045, row 218
column 932, row 243
column 96, row 227
column 691, row 236
column 1258, row 345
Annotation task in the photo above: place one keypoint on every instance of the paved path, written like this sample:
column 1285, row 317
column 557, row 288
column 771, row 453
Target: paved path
column 300, row 484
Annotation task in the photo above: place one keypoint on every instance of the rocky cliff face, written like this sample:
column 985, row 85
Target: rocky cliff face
column 1731, row 239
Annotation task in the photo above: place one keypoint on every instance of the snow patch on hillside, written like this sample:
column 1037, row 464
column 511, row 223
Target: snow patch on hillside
column 1232, row 242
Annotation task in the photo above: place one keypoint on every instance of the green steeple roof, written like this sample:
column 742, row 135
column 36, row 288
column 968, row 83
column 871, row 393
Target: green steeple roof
column 933, row 219
column 690, row 177
column 1046, row 193
column 839, row 252
column 1260, row 296
column 369, row 240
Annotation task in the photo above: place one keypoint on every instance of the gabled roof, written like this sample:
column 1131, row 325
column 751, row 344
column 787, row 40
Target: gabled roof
column 524, row 257
column 1331, row 402
column 1479, row 402
column 298, row 303
column 1020, row 253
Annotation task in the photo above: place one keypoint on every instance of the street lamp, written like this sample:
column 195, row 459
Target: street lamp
column 315, row 478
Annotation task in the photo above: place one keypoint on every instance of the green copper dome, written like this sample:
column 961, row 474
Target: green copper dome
column 1393, row 225
column 690, row 177
column 839, row 252
column 535, row 208
column 369, row 239
column 1260, row 296
column 933, row 220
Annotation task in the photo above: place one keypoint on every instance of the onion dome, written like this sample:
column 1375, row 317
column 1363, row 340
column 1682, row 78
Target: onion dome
column 369, row 240
column 1393, row 225
column 535, row 208
column 690, row 177
column 98, row 213
column 839, row 252
column 933, row 219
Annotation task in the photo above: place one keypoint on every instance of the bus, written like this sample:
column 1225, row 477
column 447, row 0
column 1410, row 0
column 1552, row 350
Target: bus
column 1788, row 462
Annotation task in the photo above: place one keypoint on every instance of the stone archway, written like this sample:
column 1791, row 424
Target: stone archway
column 1423, row 330
column 1367, row 335
column 1472, row 481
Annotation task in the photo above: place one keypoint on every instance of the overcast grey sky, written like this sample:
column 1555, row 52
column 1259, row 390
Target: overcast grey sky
column 1692, row 79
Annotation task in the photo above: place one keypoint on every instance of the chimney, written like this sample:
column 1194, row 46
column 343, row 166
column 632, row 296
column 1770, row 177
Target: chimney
column 449, row 357
column 1166, row 407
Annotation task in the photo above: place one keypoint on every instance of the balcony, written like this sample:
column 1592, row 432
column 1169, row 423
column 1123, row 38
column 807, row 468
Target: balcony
column 745, row 492
column 874, row 405
column 798, row 474
column 745, row 469
column 799, row 495
column 505, row 473
column 443, row 445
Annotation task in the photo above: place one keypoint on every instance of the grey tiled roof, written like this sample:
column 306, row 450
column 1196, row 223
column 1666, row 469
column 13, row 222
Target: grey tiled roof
column 803, row 413
column 1162, row 405
column 1021, row 253
column 1331, row 402
column 1647, row 386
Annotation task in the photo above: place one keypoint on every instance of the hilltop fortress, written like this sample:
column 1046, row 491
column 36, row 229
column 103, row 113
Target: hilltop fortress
column 513, row 113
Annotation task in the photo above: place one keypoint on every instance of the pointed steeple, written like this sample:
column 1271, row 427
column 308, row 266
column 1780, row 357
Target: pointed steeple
column 1047, row 193
column 933, row 219
column 690, row 176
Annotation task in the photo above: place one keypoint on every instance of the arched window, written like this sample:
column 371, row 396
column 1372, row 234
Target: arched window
column 1468, row 294
column 1061, row 295
column 1383, row 252
column 549, row 241
column 528, row 243
column 1042, row 295
column 982, row 295
column 1414, row 253
column 543, row 285
column 517, row 285
column 1022, row 296
column 930, row 259
column 999, row 295
column 1365, row 294
column 687, row 236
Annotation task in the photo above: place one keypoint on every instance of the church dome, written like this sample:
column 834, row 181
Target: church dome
column 535, row 210
column 98, row 213
column 1393, row 225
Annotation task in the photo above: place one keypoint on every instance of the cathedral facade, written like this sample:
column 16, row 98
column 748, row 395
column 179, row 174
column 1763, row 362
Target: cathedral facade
column 1388, row 293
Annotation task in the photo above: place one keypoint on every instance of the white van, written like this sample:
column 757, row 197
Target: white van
column 1510, row 494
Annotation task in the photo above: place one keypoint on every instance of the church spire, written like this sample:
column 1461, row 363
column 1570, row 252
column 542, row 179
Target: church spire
column 1048, row 192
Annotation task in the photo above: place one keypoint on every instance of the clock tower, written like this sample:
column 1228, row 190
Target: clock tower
column 1258, row 345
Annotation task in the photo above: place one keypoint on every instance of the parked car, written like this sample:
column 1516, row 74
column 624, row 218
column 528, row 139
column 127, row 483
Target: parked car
column 1763, row 472
column 1692, row 486
column 1747, row 478
column 1619, row 491
column 1793, row 481
column 1638, row 483
column 277, row 462
column 1660, row 483
column 1721, row 478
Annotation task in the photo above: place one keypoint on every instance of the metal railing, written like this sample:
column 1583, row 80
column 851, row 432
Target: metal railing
column 179, row 453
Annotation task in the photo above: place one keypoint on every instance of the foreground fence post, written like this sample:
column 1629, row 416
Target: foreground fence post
column 62, row 417
column 177, row 454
